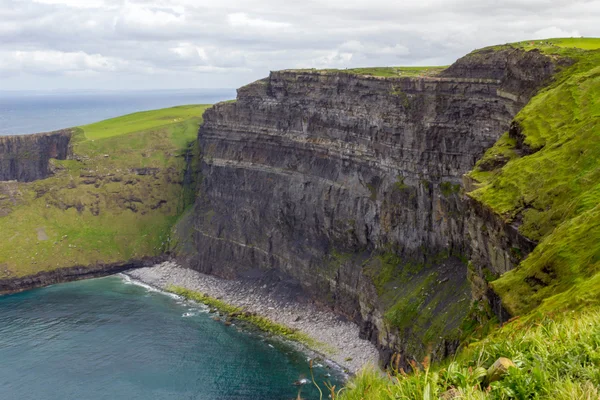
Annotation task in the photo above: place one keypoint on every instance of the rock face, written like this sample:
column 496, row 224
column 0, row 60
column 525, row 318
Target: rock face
column 26, row 158
column 326, row 177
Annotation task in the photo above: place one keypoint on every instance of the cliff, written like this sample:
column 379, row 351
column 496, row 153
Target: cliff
column 26, row 158
column 351, row 186
column 110, row 204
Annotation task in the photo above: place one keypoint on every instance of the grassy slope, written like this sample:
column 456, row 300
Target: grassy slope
column 102, row 206
column 557, row 358
column 140, row 121
column 556, row 192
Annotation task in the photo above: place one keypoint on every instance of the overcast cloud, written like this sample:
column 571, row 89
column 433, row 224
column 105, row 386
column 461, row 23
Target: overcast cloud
column 147, row 44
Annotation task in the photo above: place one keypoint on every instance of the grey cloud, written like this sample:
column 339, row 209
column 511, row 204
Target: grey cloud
column 226, row 44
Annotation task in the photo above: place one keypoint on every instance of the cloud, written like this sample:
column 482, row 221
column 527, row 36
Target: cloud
column 554, row 32
column 189, row 51
column 56, row 62
column 160, row 43
column 241, row 19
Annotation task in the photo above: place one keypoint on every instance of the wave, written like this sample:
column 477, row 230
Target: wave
column 194, row 308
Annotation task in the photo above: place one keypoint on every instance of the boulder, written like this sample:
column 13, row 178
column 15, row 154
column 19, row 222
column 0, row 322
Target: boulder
column 499, row 369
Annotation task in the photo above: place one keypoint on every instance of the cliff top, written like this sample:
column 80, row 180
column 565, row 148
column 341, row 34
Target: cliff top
column 383, row 72
column 550, row 46
column 113, row 200
column 546, row 46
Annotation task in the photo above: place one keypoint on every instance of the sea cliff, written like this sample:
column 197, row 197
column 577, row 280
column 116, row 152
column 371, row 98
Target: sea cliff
column 398, row 198
column 351, row 185
column 26, row 158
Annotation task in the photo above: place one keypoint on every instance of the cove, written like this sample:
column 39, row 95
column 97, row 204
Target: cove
column 109, row 339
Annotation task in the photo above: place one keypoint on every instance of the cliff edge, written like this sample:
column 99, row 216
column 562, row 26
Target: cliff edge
column 350, row 185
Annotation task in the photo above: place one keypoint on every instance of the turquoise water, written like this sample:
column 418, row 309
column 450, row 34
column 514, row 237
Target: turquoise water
column 107, row 339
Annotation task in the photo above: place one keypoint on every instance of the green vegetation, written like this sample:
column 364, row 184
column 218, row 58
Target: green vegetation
column 386, row 72
column 545, row 175
column 115, row 200
column 262, row 323
column 449, row 188
column 419, row 301
column 399, row 184
column 578, row 43
column 142, row 121
column 555, row 358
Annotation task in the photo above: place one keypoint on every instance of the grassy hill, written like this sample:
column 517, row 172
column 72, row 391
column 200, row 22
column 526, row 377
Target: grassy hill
column 545, row 177
column 114, row 200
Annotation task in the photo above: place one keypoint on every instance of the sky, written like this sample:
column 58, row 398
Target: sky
column 173, row 44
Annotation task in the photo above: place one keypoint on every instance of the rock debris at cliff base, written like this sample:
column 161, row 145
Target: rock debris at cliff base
column 352, row 352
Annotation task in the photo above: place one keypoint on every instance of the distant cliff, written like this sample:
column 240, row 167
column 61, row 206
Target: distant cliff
column 351, row 186
column 91, row 202
column 26, row 158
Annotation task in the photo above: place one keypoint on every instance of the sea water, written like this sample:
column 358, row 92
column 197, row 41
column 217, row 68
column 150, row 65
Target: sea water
column 110, row 339
column 32, row 112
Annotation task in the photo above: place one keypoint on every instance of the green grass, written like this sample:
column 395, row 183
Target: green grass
column 386, row 72
column 578, row 43
column 262, row 323
column 556, row 358
column 116, row 200
column 550, row 46
column 142, row 121
column 551, row 184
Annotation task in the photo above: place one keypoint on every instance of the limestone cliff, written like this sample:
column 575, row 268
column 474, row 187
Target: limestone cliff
column 26, row 158
column 351, row 186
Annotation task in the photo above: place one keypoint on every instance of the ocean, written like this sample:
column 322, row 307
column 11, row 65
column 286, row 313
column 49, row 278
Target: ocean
column 33, row 112
column 111, row 339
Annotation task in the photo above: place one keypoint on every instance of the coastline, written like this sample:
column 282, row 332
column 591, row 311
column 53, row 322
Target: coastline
column 348, row 351
column 70, row 274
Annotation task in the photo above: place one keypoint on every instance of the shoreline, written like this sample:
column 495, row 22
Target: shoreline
column 349, row 351
column 11, row 285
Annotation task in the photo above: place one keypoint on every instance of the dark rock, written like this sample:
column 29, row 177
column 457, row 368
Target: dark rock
column 306, row 165
column 145, row 171
column 26, row 158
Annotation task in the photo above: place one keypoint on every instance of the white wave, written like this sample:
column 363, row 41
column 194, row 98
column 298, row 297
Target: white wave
column 130, row 281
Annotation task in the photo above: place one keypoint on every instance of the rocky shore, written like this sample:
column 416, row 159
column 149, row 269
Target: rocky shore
column 351, row 352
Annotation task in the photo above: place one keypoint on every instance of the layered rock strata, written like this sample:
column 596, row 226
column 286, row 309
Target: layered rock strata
column 351, row 186
column 26, row 158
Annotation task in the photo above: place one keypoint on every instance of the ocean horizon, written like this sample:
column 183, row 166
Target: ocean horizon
column 26, row 112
